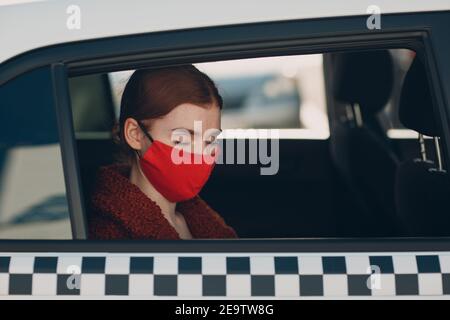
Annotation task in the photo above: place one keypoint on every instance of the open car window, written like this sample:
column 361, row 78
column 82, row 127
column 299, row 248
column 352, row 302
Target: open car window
column 338, row 182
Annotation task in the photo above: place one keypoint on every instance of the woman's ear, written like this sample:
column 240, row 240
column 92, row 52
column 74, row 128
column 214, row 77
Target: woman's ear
column 133, row 134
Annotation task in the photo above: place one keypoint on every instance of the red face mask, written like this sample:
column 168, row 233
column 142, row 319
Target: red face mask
column 175, row 181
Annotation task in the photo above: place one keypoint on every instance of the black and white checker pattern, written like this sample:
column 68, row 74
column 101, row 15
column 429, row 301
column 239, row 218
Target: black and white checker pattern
column 225, row 275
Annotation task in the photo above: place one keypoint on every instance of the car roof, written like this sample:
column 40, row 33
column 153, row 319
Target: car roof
column 29, row 24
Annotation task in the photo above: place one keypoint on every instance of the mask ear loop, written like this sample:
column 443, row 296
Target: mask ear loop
column 144, row 130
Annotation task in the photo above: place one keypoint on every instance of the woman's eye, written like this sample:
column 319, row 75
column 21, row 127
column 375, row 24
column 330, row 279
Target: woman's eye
column 211, row 140
column 179, row 140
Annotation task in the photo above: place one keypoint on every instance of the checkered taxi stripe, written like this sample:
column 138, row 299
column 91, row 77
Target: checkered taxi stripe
column 225, row 275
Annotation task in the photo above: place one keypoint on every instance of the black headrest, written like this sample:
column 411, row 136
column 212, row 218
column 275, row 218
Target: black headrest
column 416, row 104
column 363, row 77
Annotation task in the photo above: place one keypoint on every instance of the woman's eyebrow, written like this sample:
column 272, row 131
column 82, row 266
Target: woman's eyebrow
column 190, row 130
column 182, row 128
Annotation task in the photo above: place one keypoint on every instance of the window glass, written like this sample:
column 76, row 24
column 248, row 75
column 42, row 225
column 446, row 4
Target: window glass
column 318, row 182
column 274, row 92
column 33, row 202
column 264, row 93
column 388, row 117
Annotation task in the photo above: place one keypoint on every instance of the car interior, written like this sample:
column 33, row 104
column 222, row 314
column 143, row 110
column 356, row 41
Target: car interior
column 359, row 182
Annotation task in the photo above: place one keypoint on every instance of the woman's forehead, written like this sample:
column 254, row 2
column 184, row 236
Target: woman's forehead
column 191, row 116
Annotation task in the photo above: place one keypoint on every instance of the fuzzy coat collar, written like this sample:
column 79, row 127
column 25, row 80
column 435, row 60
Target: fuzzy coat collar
column 120, row 210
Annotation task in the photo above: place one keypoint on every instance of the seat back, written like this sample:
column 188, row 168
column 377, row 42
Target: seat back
column 93, row 119
column 422, row 185
column 362, row 84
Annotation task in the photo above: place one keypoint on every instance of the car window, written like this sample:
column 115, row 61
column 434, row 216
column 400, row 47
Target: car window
column 33, row 202
column 388, row 117
column 284, row 92
column 333, row 112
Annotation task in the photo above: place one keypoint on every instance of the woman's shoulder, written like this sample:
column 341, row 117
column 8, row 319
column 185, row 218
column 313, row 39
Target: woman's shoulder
column 203, row 221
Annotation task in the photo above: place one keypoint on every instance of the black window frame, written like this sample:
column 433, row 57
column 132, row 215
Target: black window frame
column 416, row 31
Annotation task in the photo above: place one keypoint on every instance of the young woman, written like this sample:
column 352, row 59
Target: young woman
column 169, row 119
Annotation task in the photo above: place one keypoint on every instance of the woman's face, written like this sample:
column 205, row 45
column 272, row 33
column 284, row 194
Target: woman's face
column 188, row 126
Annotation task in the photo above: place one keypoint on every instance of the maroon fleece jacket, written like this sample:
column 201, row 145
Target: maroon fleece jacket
column 120, row 210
